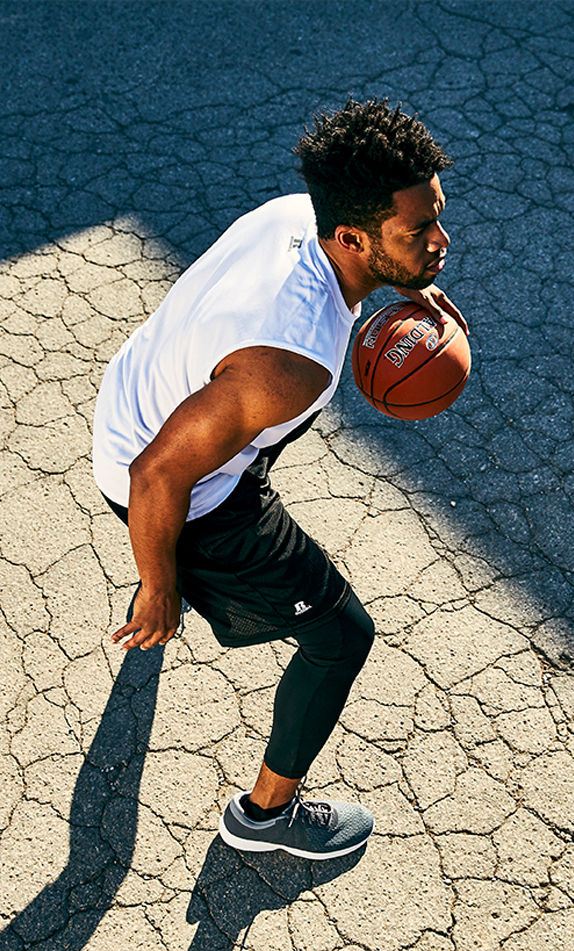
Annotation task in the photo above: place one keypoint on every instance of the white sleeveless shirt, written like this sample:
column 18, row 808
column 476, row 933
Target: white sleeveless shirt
column 265, row 282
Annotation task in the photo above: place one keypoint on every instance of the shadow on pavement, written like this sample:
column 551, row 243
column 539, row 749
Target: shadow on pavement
column 233, row 888
column 487, row 479
column 103, row 819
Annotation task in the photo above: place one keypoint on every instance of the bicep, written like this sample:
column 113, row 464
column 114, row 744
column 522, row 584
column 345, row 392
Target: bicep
column 217, row 422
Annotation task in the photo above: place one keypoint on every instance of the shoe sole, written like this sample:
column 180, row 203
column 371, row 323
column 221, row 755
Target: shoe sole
column 248, row 845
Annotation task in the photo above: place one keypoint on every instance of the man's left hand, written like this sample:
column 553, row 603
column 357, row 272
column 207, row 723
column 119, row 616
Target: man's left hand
column 436, row 302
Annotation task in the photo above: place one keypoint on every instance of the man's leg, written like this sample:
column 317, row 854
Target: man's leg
column 309, row 699
column 314, row 688
column 247, row 568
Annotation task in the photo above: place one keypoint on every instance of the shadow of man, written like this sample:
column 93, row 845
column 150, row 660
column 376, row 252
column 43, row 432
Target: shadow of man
column 233, row 888
column 103, row 819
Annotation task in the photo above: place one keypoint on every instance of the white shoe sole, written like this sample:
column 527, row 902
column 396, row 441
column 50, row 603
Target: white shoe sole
column 248, row 845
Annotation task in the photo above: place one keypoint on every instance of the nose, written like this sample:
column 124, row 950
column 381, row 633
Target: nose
column 438, row 239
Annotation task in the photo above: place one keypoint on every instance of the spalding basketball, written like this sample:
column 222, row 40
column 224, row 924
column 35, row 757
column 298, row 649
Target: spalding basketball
column 409, row 366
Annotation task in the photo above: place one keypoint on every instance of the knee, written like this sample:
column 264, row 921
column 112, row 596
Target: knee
column 348, row 638
column 358, row 632
column 343, row 641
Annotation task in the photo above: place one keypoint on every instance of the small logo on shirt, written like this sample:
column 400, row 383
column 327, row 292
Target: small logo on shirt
column 301, row 607
column 295, row 243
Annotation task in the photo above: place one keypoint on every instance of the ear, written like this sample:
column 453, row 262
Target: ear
column 350, row 239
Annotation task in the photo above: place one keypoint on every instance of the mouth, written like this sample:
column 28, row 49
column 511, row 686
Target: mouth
column 437, row 266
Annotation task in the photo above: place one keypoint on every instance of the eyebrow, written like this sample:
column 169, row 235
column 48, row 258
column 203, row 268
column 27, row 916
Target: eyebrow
column 428, row 221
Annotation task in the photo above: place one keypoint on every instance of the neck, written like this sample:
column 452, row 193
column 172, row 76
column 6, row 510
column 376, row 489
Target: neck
column 353, row 282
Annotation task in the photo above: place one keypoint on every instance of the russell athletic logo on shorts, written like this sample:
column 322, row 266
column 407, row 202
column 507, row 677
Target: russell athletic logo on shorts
column 301, row 607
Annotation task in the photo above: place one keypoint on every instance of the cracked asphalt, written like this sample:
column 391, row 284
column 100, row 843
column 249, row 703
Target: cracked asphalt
column 132, row 134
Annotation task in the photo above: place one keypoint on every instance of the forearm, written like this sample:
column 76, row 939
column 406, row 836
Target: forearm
column 156, row 515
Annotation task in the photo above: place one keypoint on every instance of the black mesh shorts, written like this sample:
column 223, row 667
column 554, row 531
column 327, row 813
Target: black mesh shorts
column 253, row 573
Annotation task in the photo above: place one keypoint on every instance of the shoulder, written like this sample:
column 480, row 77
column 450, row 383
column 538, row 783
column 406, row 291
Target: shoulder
column 276, row 375
column 299, row 203
column 293, row 211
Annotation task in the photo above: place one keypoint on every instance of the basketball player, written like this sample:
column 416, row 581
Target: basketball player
column 197, row 405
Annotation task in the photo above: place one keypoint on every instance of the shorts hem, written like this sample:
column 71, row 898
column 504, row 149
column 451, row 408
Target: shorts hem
column 289, row 630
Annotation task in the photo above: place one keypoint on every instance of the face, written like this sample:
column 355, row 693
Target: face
column 411, row 249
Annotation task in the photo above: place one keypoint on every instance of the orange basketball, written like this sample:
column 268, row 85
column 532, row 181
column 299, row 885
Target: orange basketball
column 407, row 365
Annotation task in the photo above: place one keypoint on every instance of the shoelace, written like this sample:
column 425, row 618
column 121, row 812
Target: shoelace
column 317, row 813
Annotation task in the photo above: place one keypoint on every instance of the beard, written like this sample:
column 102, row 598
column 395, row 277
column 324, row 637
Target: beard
column 385, row 270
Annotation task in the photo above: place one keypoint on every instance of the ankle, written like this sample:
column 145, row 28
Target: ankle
column 272, row 790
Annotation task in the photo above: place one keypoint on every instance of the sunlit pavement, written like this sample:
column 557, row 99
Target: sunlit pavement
column 132, row 134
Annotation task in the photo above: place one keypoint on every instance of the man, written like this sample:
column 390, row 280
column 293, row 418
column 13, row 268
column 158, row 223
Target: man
column 197, row 405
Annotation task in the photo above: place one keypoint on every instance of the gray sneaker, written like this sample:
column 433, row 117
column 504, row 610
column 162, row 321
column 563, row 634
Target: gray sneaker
column 312, row 830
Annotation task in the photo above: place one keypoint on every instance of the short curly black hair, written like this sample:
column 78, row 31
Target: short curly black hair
column 356, row 158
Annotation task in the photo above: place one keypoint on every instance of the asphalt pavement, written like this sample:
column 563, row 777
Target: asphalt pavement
column 132, row 134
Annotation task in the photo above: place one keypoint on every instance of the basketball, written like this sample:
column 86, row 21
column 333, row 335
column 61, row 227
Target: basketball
column 409, row 366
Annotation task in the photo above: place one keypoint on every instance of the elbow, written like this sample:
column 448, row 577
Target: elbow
column 154, row 485
column 150, row 472
column 142, row 473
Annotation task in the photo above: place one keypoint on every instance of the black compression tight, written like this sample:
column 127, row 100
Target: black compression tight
column 314, row 688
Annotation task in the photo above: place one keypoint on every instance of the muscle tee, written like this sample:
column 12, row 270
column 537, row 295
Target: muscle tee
column 265, row 282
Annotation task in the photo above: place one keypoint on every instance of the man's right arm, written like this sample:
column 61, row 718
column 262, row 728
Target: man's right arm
column 252, row 390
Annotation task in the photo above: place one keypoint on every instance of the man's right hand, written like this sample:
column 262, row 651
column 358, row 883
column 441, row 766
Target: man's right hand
column 155, row 620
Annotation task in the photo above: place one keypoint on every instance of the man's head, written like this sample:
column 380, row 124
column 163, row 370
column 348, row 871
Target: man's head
column 372, row 176
column 354, row 160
